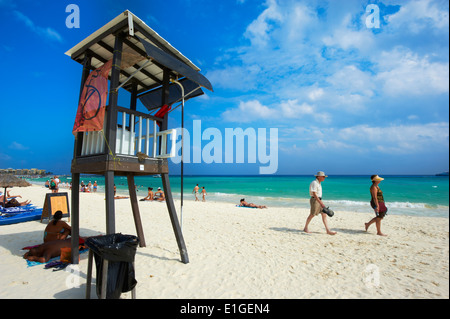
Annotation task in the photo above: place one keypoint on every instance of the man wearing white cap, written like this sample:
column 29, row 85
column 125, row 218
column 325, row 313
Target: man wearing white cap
column 315, row 191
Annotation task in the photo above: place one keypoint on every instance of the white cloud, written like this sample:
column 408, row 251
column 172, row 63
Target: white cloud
column 253, row 111
column 403, row 72
column 401, row 139
column 320, row 64
column 412, row 117
column 346, row 37
column 350, row 80
column 258, row 32
column 17, row 146
column 248, row 112
column 5, row 157
column 47, row 32
column 235, row 77
column 316, row 94
column 417, row 15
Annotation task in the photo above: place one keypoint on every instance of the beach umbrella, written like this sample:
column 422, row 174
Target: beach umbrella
column 11, row 181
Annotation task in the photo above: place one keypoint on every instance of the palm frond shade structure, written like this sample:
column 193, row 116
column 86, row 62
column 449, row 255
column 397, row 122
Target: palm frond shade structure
column 11, row 181
column 131, row 143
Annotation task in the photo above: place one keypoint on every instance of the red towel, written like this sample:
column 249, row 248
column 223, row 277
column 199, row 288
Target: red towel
column 162, row 112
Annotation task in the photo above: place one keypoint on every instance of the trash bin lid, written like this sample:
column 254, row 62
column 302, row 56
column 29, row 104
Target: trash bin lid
column 114, row 247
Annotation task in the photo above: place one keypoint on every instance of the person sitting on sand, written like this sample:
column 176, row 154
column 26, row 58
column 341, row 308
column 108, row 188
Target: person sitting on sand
column 150, row 195
column 56, row 228
column 159, row 195
column 245, row 204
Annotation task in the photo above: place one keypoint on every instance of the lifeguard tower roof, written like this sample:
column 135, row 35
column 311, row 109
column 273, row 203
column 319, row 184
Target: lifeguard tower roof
column 145, row 54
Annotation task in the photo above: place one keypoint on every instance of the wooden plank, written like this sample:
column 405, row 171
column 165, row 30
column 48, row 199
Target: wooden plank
column 174, row 219
column 136, row 66
column 111, row 114
column 122, row 167
column 89, row 274
column 75, row 222
column 109, row 202
column 104, row 278
column 135, row 209
column 121, row 26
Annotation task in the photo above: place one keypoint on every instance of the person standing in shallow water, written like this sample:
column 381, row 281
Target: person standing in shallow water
column 204, row 193
column 377, row 203
column 195, row 192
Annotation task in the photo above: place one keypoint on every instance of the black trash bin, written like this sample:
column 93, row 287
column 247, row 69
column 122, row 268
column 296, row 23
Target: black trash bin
column 119, row 250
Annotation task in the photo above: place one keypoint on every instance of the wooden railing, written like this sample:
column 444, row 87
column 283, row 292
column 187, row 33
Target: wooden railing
column 136, row 132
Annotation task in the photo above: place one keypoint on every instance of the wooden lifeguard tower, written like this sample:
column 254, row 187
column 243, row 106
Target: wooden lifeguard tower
column 129, row 142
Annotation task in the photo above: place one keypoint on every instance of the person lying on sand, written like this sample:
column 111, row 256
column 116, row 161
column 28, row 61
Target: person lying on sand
column 43, row 253
column 13, row 202
column 121, row 197
column 245, row 204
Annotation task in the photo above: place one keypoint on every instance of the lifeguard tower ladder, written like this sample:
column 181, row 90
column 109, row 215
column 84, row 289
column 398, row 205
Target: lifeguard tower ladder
column 132, row 143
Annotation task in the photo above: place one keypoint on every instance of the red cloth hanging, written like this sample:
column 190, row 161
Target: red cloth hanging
column 162, row 112
column 91, row 109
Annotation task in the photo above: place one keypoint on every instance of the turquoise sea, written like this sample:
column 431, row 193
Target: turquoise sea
column 404, row 195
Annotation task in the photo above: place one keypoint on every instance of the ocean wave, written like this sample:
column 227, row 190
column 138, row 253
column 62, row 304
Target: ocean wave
column 388, row 204
column 395, row 207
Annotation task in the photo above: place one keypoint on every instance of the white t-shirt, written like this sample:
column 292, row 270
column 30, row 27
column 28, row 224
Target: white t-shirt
column 315, row 187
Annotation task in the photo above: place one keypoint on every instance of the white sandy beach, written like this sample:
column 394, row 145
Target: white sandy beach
column 245, row 253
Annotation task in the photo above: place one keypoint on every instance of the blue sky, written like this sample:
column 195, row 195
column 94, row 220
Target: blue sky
column 346, row 98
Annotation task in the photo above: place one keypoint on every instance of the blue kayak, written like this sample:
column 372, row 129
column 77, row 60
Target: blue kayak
column 20, row 217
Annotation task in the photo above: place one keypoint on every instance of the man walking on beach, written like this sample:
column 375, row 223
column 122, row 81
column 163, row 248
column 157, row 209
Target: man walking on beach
column 195, row 191
column 315, row 191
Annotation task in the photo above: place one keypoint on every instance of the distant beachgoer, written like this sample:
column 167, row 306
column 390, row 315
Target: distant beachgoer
column 243, row 203
column 159, row 195
column 315, row 191
column 195, row 191
column 54, row 184
column 95, row 186
column 12, row 202
column 150, row 195
column 204, row 193
column 57, row 180
column 120, row 197
column 377, row 203
column 56, row 228
column 47, row 184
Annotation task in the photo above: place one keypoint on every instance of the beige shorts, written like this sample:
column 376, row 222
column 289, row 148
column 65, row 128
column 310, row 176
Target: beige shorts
column 316, row 209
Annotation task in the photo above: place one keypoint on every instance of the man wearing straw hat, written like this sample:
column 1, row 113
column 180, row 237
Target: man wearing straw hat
column 317, row 206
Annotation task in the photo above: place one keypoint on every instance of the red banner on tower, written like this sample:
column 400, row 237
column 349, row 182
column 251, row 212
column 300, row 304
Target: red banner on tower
column 91, row 109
